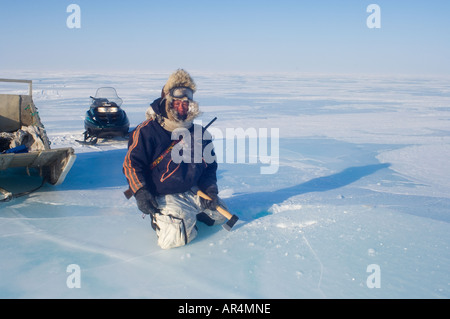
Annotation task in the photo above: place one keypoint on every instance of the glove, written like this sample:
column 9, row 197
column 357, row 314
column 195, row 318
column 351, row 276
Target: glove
column 212, row 192
column 146, row 202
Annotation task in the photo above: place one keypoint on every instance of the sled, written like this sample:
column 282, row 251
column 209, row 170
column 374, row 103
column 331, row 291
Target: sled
column 19, row 114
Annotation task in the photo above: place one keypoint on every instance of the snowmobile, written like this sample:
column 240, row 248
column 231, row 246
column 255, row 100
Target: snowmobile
column 105, row 117
column 24, row 144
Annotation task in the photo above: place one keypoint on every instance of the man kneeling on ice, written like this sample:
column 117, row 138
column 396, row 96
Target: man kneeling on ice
column 165, row 187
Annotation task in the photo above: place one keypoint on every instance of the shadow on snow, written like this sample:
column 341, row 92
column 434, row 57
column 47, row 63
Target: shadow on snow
column 251, row 206
column 96, row 170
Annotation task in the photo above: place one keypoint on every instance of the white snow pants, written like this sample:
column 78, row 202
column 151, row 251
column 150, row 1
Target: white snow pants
column 176, row 224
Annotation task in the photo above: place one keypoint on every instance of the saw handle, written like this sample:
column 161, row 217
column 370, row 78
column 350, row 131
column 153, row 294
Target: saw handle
column 224, row 212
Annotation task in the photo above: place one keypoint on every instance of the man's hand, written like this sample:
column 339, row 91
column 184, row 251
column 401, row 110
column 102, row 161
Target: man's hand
column 146, row 202
column 212, row 192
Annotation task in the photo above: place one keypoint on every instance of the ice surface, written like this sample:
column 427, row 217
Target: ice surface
column 363, row 180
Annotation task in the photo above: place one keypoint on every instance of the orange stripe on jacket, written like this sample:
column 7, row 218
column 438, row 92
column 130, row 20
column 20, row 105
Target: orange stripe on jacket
column 129, row 171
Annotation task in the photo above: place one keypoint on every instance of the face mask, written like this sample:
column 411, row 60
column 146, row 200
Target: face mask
column 181, row 107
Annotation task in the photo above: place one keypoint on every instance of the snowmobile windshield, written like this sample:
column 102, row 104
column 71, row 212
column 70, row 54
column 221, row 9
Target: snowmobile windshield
column 108, row 93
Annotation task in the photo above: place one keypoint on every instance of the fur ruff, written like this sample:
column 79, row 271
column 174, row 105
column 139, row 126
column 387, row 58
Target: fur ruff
column 177, row 79
column 171, row 122
column 169, row 119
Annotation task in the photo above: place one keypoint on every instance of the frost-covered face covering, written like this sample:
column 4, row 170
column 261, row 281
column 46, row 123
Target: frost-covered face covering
column 181, row 98
column 181, row 107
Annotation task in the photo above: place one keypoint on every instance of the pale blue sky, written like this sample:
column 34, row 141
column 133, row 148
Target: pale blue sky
column 319, row 36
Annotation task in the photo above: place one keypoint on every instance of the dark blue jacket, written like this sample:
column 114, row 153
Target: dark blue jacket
column 147, row 142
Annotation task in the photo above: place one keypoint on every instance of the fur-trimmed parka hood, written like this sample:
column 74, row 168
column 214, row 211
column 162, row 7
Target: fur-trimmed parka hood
column 179, row 78
column 161, row 109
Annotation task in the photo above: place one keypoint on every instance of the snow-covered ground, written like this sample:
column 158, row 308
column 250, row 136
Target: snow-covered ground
column 359, row 206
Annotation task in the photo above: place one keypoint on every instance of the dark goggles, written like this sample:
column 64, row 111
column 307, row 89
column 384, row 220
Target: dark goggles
column 181, row 92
